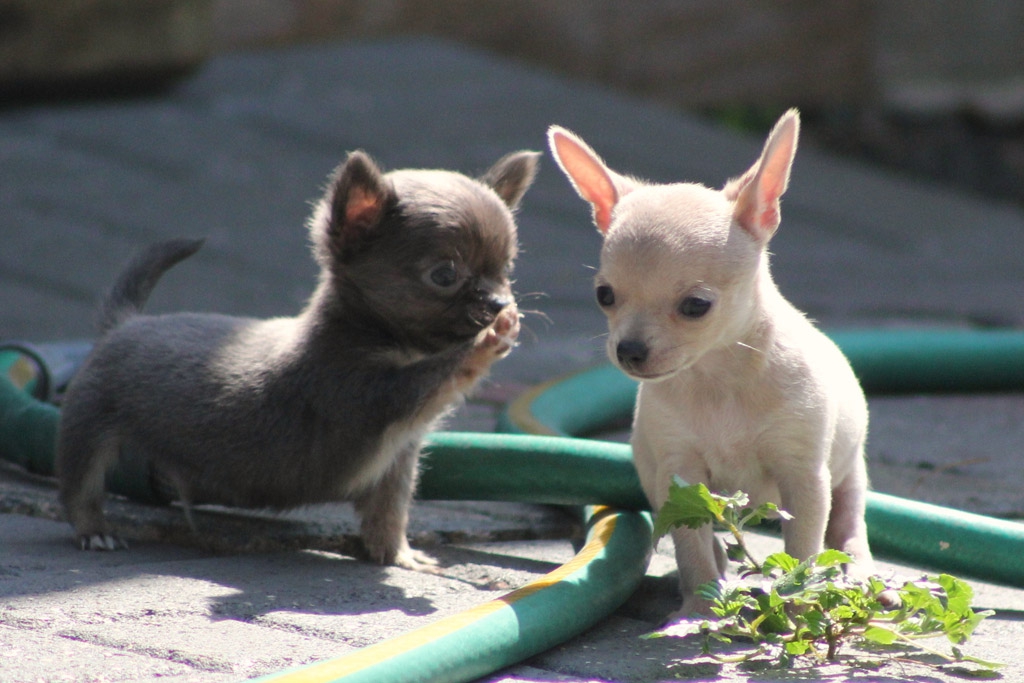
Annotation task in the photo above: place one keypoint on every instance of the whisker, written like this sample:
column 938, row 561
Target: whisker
column 526, row 329
column 748, row 346
column 540, row 314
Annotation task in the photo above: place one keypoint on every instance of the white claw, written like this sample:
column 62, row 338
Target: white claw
column 101, row 542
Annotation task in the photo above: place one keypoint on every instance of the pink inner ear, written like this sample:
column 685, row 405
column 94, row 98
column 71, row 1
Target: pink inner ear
column 769, row 219
column 757, row 211
column 362, row 208
column 757, row 201
column 771, row 183
column 590, row 178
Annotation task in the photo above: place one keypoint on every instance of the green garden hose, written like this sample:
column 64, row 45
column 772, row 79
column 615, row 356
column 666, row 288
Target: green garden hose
column 555, row 469
column 537, row 617
column 28, row 427
column 584, row 403
column 502, row 632
column 885, row 361
column 935, row 361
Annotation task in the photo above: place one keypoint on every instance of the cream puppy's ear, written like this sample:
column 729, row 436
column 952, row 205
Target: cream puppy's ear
column 593, row 180
column 757, row 192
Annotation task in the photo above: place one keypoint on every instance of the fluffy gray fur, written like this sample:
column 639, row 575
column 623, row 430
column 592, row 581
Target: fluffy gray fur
column 329, row 405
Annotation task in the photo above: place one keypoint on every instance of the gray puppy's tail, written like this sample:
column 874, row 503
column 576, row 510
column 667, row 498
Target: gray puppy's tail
column 133, row 286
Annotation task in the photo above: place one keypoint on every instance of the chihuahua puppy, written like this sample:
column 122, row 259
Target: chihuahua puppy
column 413, row 305
column 738, row 390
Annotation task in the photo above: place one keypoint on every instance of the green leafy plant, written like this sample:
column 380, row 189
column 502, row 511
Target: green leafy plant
column 812, row 610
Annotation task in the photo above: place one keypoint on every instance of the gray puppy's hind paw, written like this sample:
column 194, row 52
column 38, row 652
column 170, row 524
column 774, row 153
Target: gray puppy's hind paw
column 101, row 542
column 417, row 561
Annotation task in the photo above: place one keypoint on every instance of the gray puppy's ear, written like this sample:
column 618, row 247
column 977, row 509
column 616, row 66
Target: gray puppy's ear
column 512, row 175
column 357, row 197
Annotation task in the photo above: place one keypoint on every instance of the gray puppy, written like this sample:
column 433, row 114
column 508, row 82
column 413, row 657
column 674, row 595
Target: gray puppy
column 412, row 307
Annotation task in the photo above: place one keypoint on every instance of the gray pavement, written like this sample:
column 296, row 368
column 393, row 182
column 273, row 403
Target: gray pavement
column 236, row 153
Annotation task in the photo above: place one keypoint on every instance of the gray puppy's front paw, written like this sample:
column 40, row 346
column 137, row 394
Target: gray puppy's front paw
column 491, row 345
column 399, row 554
column 101, row 542
column 501, row 337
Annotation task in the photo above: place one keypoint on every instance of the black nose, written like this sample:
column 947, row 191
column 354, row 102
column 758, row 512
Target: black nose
column 495, row 304
column 631, row 353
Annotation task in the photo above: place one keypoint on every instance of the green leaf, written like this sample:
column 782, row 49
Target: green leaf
column 832, row 558
column 760, row 513
column 980, row 662
column 689, row 506
column 916, row 598
column 815, row 622
column 737, row 501
column 783, row 561
column 845, row 613
column 794, row 580
column 711, row 591
column 880, row 635
column 958, row 593
column 763, row 511
column 790, row 608
column 734, row 552
column 876, row 585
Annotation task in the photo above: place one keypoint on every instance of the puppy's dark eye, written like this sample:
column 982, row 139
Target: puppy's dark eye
column 444, row 275
column 694, row 307
column 605, row 296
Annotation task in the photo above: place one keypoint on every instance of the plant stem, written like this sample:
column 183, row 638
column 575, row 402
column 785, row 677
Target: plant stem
column 909, row 640
column 833, row 643
column 738, row 535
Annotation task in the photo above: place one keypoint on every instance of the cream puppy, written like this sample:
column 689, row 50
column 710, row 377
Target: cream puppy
column 738, row 390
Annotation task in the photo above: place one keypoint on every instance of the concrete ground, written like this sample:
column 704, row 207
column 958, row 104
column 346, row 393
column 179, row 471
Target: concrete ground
column 236, row 153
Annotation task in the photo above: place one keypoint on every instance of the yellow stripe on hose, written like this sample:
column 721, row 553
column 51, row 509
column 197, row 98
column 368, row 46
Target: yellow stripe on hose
column 520, row 411
column 603, row 528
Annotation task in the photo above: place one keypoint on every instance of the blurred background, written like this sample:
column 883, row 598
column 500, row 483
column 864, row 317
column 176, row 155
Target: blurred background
column 935, row 88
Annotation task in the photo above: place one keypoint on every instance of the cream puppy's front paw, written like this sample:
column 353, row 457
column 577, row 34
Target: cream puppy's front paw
column 693, row 607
